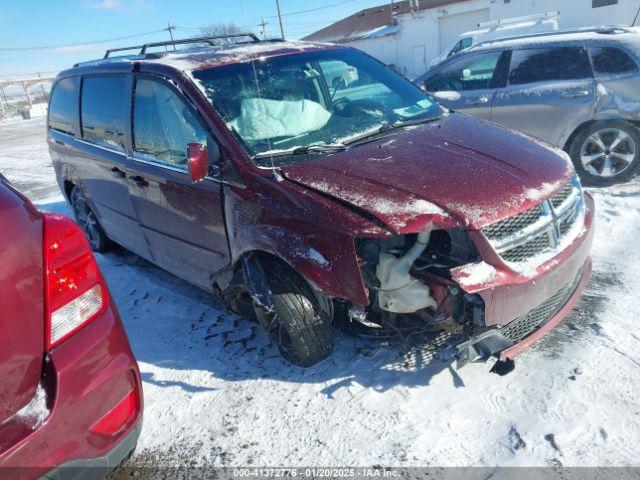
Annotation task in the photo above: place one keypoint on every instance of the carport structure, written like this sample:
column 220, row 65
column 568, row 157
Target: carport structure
column 25, row 83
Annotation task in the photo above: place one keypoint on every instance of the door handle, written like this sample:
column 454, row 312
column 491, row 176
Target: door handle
column 477, row 101
column 575, row 94
column 138, row 181
column 118, row 173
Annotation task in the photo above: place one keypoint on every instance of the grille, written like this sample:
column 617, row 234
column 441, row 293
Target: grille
column 559, row 198
column 524, row 236
column 528, row 323
column 514, row 224
column 527, row 250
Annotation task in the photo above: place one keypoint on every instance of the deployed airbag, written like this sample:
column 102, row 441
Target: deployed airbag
column 264, row 118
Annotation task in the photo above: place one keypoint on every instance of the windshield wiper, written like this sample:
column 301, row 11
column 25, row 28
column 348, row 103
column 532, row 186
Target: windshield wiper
column 331, row 148
column 388, row 127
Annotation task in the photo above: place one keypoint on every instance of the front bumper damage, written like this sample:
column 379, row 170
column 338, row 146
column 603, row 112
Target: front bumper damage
column 519, row 313
column 538, row 322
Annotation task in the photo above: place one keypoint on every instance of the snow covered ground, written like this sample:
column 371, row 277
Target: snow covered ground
column 217, row 393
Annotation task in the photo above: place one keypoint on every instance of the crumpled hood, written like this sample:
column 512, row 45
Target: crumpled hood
column 458, row 170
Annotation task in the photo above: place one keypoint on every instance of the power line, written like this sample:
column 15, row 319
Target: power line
column 80, row 44
column 312, row 9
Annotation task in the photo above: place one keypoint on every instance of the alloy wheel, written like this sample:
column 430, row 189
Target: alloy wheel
column 85, row 218
column 608, row 152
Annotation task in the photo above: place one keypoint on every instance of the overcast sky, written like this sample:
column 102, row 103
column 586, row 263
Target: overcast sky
column 44, row 23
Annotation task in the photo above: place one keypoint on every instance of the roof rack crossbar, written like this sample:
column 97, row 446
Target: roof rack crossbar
column 211, row 40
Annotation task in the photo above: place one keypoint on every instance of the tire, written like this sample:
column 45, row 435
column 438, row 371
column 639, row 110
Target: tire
column 606, row 153
column 88, row 222
column 295, row 323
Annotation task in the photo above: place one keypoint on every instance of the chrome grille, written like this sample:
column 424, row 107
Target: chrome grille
column 528, row 323
column 540, row 229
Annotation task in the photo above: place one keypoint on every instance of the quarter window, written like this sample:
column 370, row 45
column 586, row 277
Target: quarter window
column 104, row 106
column 549, row 64
column 602, row 3
column 63, row 107
column 473, row 73
column 163, row 125
column 611, row 61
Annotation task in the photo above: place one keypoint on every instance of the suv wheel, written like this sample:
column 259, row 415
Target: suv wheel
column 88, row 222
column 295, row 323
column 606, row 153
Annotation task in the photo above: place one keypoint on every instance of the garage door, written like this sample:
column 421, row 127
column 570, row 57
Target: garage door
column 451, row 26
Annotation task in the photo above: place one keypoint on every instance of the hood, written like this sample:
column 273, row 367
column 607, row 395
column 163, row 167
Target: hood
column 456, row 171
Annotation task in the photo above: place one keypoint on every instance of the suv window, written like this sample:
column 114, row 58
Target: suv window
column 611, row 61
column 163, row 125
column 103, row 110
column 548, row 64
column 472, row 73
column 63, row 107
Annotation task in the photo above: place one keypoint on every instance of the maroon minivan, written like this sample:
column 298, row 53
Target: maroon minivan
column 70, row 389
column 307, row 183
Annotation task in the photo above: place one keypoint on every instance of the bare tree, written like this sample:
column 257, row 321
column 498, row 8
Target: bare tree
column 220, row 28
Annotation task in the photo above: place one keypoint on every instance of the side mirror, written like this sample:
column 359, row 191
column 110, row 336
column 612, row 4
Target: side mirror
column 197, row 161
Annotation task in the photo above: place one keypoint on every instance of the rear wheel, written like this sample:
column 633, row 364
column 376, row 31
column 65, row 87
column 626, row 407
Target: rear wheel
column 606, row 153
column 294, row 321
column 88, row 222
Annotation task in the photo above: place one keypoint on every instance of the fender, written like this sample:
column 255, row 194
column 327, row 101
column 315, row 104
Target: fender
column 327, row 261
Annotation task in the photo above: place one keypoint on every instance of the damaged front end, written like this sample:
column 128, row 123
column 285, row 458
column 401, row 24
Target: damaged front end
column 476, row 299
column 412, row 292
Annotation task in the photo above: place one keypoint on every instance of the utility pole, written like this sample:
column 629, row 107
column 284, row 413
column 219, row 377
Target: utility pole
column 280, row 19
column 263, row 30
column 170, row 30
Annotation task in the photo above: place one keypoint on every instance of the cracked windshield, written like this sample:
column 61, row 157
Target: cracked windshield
column 311, row 102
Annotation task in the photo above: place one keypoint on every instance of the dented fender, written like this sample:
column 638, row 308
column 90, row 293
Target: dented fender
column 316, row 242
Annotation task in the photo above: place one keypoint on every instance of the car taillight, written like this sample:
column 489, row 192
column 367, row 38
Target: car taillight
column 75, row 290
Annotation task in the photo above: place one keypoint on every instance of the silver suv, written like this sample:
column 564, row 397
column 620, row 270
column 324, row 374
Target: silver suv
column 577, row 90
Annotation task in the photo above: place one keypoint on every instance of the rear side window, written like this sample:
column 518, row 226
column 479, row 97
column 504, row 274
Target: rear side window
column 611, row 61
column 63, row 107
column 104, row 110
column 549, row 64
column 163, row 125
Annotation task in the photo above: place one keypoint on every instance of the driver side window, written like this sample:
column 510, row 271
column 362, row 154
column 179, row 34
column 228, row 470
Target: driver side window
column 472, row 73
column 163, row 125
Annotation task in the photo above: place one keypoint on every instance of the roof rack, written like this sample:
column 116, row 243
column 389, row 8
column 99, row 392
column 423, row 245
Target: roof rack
column 605, row 30
column 211, row 40
column 551, row 15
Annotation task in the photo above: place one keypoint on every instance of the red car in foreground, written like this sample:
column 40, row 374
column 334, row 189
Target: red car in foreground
column 70, row 389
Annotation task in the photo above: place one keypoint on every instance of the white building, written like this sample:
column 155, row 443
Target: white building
column 409, row 34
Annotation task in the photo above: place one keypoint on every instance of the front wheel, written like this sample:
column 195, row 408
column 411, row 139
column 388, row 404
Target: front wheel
column 606, row 153
column 294, row 321
column 88, row 222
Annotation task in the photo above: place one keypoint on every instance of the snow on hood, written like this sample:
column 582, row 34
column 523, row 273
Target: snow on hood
column 457, row 171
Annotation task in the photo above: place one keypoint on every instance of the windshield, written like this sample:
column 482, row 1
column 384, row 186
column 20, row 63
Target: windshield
column 311, row 99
